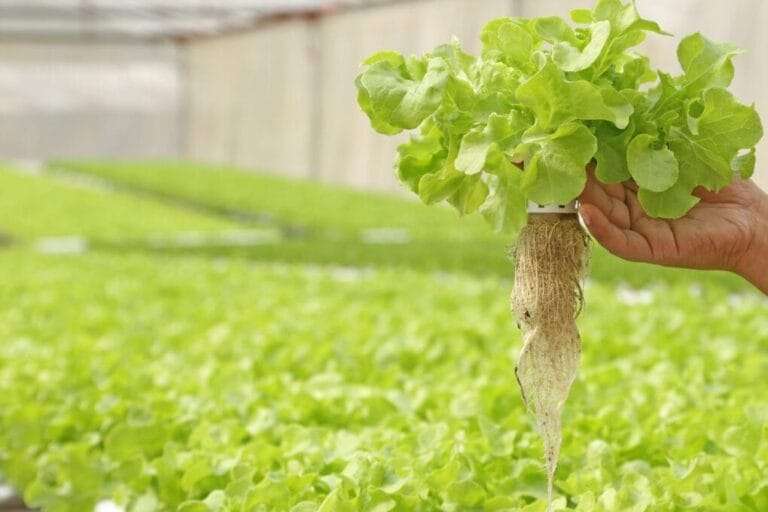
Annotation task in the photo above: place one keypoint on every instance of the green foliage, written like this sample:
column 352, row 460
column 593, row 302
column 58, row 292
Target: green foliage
column 36, row 206
column 474, row 117
column 556, row 172
column 652, row 168
column 306, row 389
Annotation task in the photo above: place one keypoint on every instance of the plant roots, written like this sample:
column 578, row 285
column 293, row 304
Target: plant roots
column 551, row 258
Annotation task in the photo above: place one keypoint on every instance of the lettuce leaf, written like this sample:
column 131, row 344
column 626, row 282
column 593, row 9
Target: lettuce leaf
column 555, row 173
column 653, row 168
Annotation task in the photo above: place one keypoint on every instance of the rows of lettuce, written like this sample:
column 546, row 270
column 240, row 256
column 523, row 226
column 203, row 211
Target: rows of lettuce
column 199, row 384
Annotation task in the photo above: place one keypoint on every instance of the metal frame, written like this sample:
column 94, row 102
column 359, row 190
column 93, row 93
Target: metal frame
column 132, row 20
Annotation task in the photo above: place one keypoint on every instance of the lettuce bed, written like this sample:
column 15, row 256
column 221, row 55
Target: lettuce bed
column 307, row 205
column 196, row 384
column 36, row 206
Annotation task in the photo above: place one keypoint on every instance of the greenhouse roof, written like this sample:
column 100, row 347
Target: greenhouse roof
column 144, row 19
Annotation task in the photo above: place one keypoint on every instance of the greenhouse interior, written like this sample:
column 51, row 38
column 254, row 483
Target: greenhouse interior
column 383, row 255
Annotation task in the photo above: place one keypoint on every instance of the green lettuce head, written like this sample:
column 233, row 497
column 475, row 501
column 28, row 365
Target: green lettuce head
column 545, row 98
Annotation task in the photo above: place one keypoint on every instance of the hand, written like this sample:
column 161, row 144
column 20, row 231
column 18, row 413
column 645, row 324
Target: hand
column 727, row 230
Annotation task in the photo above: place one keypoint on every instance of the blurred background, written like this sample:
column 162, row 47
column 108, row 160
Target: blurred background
column 264, row 85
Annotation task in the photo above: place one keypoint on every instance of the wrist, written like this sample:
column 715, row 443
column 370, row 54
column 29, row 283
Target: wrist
column 754, row 264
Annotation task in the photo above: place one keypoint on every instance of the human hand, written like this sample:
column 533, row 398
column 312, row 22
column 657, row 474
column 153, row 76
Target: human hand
column 727, row 230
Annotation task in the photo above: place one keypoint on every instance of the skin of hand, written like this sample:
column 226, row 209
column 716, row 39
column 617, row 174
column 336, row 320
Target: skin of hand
column 727, row 230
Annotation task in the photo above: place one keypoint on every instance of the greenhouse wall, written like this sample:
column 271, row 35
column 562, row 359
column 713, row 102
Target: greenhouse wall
column 281, row 98
column 89, row 100
column 251, row 99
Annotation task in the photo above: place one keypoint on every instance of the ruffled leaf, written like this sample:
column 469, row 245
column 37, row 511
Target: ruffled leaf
column 555, row 100
column 555, row 174
column 394, row 99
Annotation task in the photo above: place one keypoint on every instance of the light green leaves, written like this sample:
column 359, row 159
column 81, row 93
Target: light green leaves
column 708, row 150
column 506, row 206
column 543, row 86
column 555, row 30
column 631, row 72
column 475, row 147
column 670, row 204
column 555, row 100
column 424, row 154
column 410, row 340
column 555, row 174
column 459, row 180
column 744, row 165
column 628, row 29
column 436, row 187
column 427, row 167
column 583, row 16
column 572, row 59
column 726, row 125
column 501, row 133
column 394, row 99
column 706, row 63
column 509, row 40
column 611, row 156
column 469, row 196
column 624, row 18
column 723, row 129
column 652, row 165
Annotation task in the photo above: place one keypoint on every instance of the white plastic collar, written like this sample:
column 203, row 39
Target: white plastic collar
column 552, row 208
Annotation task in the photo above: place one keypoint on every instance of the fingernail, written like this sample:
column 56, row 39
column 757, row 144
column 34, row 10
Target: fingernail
column 585, row 217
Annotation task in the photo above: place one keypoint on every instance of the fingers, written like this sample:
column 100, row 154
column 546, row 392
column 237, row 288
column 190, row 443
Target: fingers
column 611, row 189
column 624, row 243
column 636, row 212
column 707, row 195
column 631, row 185
column 610, row 212
column 609, row 199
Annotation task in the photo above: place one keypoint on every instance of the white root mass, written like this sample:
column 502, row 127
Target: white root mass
column 551, row 259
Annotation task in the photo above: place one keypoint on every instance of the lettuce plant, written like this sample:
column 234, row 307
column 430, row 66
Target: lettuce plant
column 553, row 97
column 520, row 124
